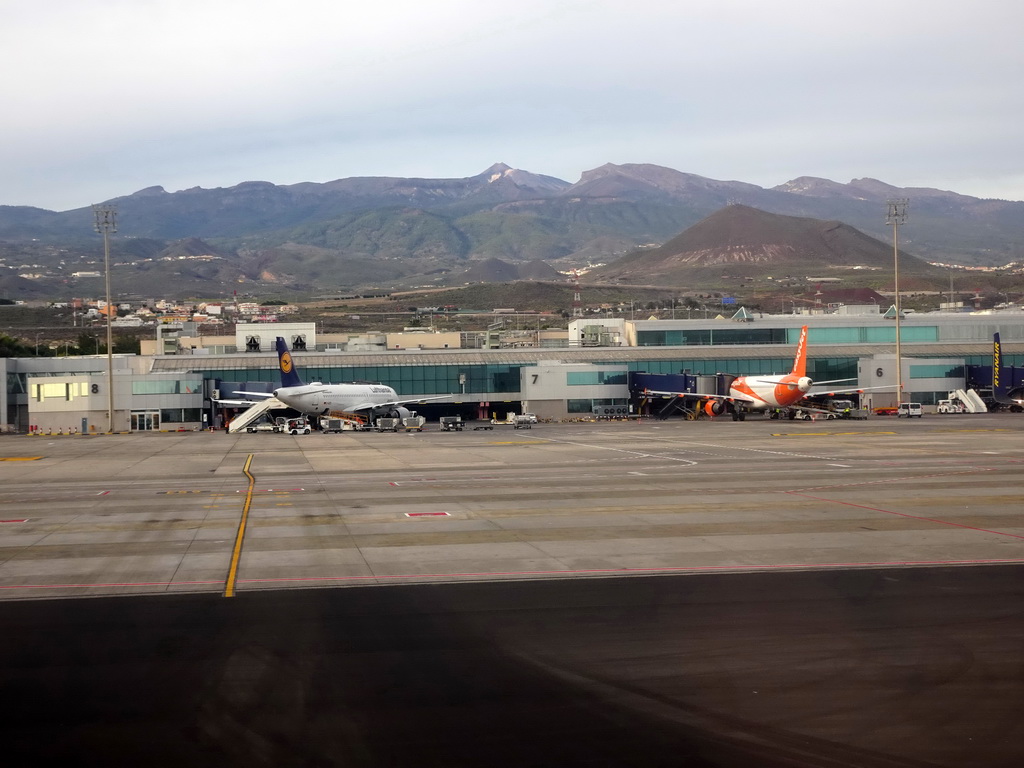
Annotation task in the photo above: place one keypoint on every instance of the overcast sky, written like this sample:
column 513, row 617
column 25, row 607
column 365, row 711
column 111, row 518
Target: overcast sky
column 101, row 98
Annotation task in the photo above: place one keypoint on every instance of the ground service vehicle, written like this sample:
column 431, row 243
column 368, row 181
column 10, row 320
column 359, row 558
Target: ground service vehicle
column 413, row 423
column 263, row 426
column 813, row 415
column 451, row 423
column 950, row 406
column 331, row 425
column 297, row 426
column 909, row 410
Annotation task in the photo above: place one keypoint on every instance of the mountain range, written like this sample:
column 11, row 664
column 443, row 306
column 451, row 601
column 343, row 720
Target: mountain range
column 258, row 237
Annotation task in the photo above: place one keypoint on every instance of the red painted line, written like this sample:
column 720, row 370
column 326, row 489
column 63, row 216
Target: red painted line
column 219, row 582
column 103, row 493
column 427, row 514
column 908, row 516
column 22, row 520
column 667, row 569
column 596, row 571
column 888, row 480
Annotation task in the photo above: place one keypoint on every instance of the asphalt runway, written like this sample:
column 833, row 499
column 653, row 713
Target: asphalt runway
column 888, row 667
column 757, row 593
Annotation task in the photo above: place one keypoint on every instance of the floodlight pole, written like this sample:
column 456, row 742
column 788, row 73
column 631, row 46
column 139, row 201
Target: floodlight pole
column 106, row 223
column 896, row 215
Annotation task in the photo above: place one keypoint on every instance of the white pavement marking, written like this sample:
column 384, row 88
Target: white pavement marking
column 638, row 454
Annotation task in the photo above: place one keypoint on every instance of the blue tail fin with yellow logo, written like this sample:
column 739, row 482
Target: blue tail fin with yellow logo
column 289, row 378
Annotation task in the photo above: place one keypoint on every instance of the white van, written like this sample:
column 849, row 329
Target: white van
column 909, row 410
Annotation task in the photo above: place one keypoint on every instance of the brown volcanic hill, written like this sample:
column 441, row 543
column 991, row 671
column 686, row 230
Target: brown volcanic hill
column 491, row 271
column 498, row 271
column 539, row 270
column 742, row 241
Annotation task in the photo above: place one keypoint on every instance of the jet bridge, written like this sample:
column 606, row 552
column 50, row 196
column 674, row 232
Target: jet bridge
column 663, row 406
column 253, row 413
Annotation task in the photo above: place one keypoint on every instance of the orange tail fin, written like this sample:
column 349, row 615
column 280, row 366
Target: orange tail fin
column 800, row 361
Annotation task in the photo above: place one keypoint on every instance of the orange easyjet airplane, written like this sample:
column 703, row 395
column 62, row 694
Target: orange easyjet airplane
column 762, row 393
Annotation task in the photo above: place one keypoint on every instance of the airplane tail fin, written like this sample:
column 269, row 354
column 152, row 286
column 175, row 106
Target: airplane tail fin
column 997, row 363
column 800, row 361
column 289, row 378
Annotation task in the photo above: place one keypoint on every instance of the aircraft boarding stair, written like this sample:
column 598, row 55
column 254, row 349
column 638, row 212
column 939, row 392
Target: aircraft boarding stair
column 253, row 413
column 971, row 400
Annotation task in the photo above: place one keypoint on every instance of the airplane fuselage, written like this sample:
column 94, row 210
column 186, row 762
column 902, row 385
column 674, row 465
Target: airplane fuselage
column 332, row 399
column 762, row 392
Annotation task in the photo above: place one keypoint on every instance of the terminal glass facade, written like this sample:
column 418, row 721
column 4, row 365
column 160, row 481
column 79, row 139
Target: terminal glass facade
column 868, row 334
column 751, row 335
column 936, row 371
column 591, row 378
column 820, row 368
column 167, row 387
column 707, row 337
column 407, row 379
column 412, row 380
column 586, row 405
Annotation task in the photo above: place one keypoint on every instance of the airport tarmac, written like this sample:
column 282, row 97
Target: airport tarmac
column 162, row 512
column 843, row 593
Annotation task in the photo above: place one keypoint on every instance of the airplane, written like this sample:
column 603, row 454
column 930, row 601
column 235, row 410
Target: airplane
column 352, row 402
column 766, row 393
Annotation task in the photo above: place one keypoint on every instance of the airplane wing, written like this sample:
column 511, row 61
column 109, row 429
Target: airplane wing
column 852, row 390
column 703, row 396
column 369, row 406
column 241, row 402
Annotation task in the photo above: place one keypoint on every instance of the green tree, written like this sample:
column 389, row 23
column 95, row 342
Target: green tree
column 88, row 344
column 12, row 347
column 127, row 345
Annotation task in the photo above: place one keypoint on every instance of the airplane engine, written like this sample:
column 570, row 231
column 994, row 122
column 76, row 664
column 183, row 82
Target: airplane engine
column 714, row 407
column 399, row 413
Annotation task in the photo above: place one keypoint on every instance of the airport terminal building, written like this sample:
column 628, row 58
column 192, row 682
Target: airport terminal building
column 174, row 387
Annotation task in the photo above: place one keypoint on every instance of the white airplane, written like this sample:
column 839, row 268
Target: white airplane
column 353, row 402
column 765, row 393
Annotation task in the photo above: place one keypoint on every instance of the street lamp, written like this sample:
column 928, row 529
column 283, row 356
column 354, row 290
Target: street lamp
column 106, row 223
column 896, row 215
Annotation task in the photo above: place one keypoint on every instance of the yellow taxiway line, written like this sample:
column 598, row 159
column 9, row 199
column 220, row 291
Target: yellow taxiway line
column 236, row 554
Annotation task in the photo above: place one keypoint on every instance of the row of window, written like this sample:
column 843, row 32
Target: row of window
column 592, row 378
column 747, row 335
column 62, row 390
column 586, row 405
column 709, row 337
column 936, row 371
column 149, row 420
column 69, row 390
column 167, row 387
column 407, row 380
